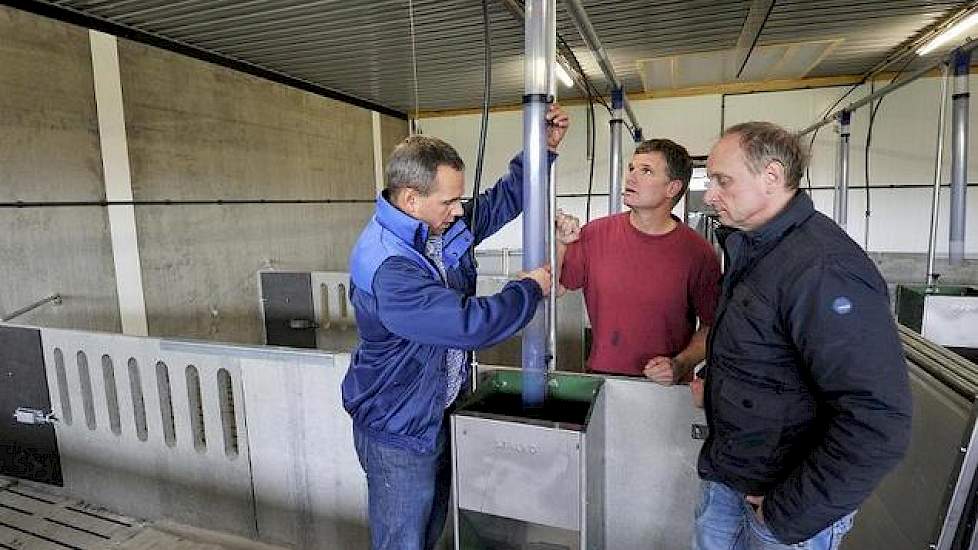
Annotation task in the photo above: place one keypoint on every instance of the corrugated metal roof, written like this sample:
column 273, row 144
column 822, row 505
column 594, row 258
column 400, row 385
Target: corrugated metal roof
column 363, row 47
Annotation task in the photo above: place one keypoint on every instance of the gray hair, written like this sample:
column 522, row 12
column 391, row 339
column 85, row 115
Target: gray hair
column 415, row 161
column 764, row 142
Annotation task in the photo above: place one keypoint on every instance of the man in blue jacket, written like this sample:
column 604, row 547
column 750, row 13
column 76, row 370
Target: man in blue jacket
column 807, row 396
column 413, row 289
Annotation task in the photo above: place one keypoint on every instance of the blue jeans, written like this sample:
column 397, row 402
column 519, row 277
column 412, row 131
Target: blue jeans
column 408, row 493
column 725, row 521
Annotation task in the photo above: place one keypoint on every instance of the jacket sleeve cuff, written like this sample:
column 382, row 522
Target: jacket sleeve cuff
column 531, row 287
column 551, row 157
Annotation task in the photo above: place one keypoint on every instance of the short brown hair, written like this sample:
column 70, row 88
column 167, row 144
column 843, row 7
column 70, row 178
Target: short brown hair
column 678, row 162
column 765, row 142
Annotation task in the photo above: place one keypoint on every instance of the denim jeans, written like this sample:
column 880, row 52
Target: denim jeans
column 725, row 521
column 408, row 493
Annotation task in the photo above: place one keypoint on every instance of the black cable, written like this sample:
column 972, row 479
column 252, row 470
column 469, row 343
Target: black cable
column 178, row 202
column 474, row 214
column 811, row 144
column 873, row 109
column 592, row 124
column 891, row 186
column 869, row 139
column 589, row 88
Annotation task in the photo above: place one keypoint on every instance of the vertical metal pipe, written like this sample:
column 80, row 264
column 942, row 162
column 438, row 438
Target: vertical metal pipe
column 552, row 202
column 935, row 201
column 552, row 301
column 841, row 205
column 535, row 178
column 959, row 155
column 614, row 179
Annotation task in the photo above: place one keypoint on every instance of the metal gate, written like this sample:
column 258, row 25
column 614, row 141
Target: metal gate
column 28, row 445
column 290, row 318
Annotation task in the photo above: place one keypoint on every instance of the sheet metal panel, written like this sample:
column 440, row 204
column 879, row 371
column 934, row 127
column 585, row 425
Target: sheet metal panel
column 363, row 47
column 520, row 471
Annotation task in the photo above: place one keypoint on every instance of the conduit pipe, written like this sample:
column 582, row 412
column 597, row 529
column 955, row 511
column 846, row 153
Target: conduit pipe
column 537, row 67
column 935, row 201
column 841, row 204
column 892, row 87
column 615, row 158
column 959, row 155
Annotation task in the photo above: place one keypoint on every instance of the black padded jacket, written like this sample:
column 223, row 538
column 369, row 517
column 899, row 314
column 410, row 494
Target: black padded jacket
column 807, row 394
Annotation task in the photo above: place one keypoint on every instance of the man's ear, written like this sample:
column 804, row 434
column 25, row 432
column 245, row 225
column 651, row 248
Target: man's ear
column 674, row 188
column 408, row 199
column 774, row 178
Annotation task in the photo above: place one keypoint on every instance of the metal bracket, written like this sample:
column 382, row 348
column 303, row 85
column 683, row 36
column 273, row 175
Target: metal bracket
column 33, row 417
column 302, row 324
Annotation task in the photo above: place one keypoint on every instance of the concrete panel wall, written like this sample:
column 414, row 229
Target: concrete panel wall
column 49, row 151
column 392, row 131
column 199, row 131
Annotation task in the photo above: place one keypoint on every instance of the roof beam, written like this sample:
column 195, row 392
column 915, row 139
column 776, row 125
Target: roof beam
column 47, row 8
column 759, row 12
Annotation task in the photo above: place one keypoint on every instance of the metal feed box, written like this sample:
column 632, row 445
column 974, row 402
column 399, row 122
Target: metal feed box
column 529, row 479
column 946, row 315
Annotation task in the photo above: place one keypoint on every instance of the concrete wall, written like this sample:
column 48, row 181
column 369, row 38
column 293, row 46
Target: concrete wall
column 195, row 131
column 198, row 131
column 49, row 151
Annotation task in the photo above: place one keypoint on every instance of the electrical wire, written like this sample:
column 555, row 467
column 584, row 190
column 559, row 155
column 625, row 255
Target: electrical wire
column 415, row 128
column 589, row 87
column 592, row 123
column 862, row 81
column 869, row 138
column 874, row 109
column 486, row 94
column 811, row 144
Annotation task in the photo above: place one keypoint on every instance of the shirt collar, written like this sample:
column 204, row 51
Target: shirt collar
column 408, row 229
column 795, row 213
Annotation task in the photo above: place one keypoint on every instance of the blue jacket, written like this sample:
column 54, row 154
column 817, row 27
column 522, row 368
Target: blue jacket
column 407, row 316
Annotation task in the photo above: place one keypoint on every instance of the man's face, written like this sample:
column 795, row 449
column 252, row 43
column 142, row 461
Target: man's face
column 647, row 184
column 443, row 205
column 740, row 197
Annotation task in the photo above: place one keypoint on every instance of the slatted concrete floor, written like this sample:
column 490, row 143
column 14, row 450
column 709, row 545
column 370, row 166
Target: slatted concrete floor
column 32, row 519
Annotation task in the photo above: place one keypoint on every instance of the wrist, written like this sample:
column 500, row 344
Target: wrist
column 683, row 367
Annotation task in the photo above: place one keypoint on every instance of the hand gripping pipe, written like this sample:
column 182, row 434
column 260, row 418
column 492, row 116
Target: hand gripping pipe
column 536, row 70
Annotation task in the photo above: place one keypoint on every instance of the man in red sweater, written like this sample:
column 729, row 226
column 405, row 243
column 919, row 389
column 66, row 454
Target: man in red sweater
column 646, row 276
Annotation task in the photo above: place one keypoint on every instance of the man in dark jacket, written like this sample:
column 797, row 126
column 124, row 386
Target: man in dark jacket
column 413, row 289
column 807, row 396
